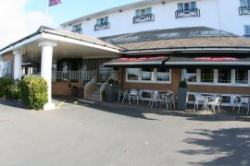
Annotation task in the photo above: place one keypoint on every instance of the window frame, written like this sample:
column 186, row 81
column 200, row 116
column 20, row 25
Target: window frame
column 215, row 80
column 77, row 28
column 153, row 77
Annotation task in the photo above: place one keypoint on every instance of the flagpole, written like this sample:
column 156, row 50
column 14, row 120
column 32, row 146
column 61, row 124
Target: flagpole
column 47, row 14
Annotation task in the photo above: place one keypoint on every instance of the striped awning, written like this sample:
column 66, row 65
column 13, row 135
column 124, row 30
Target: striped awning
column 137, row 61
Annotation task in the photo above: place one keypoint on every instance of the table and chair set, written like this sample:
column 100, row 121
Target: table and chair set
column 213, row 102
column 168, row 99
column 153, row 98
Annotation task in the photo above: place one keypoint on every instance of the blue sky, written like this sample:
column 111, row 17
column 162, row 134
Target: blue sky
column 70, row 9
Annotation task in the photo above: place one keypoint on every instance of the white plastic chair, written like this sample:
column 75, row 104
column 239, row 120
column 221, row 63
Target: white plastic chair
column 198, row 99
column 155, row 98
column 244, row 103
column 215, row 103
column 133, row 94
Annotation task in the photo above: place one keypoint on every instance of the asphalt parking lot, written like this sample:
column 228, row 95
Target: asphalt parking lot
column 76, row 135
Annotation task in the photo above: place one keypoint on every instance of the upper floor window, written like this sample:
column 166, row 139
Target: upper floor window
column 247, row 30
column 77, row 28
column 143, row 15
column 187, row 9
column 102, row 23
column 244, row 2
column 244, row 8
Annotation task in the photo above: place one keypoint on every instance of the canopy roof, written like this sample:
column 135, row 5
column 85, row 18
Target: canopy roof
column 192, row 39
column 137, row 61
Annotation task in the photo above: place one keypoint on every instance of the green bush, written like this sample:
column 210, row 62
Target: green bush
column 34, row 92
column 13, row 91
column 5, row 83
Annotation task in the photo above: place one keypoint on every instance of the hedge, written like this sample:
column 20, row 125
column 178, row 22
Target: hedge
column 5, row 84
column 34, row 92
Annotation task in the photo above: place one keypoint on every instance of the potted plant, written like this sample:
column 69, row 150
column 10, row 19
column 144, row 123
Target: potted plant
column 112, row 90
column 182, row 95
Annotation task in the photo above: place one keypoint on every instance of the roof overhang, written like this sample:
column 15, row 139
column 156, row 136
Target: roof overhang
column 41, row 35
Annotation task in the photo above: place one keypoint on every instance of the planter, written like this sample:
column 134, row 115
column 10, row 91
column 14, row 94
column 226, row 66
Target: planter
column 111, row 93
column 182, row 96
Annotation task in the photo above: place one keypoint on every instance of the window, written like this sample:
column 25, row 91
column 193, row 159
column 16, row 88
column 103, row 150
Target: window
column 101, row 21
column 241, row 76
column 133, row 73
column 142, row 12
column 187, row 6
column 247, row 30
column 224, row 76
column 163, row 74
column 7, row 68
column 190, row 75
column 77, row 28
column 143, row 15
column 187, row 10
column 146, row 74
column 207, row 75
column 245, row 2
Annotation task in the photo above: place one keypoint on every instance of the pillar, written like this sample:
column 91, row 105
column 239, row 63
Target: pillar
column 46, row 69
column 18, row 54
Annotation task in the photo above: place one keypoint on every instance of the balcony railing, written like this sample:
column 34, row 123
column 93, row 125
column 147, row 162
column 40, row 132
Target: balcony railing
column 143, row 18
column 69, row 75
column 187, row 13
column 102, row 26
column 244, row 10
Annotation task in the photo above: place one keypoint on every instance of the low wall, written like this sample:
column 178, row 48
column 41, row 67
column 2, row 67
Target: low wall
column 64, row 88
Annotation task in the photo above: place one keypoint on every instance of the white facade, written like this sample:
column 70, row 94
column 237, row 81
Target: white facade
column 218, row 14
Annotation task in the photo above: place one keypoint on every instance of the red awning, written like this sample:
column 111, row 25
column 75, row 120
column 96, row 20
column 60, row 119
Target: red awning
column 208, row 61
column 137, row 61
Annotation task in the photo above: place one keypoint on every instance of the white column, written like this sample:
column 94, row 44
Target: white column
column 18, row 54
column 46, row 69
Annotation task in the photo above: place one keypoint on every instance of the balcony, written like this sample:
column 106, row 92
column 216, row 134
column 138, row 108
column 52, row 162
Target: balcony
column 143, row 18
column 187, row 13
column 102, row 26
column 244, row 10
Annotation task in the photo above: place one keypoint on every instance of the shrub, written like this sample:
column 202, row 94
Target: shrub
column 34, row 92
column 5, row 82
column 13, row 91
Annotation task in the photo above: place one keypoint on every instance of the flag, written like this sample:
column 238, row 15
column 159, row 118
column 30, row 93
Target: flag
column 54, row 2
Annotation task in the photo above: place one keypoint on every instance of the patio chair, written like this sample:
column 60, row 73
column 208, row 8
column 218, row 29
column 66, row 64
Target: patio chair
column 244, row 103
column 134, row 95
column 236, row 100
column 170, row 100
column 198, row 99
column 124, row 95
column 216, row 102
column 155, row 98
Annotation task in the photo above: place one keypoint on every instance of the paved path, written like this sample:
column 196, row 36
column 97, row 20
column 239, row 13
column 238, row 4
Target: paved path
column 118, row 136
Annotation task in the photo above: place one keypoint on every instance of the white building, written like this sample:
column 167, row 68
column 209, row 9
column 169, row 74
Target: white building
column 228, row 15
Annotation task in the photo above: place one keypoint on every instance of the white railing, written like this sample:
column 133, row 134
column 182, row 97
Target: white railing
column 80, row 75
